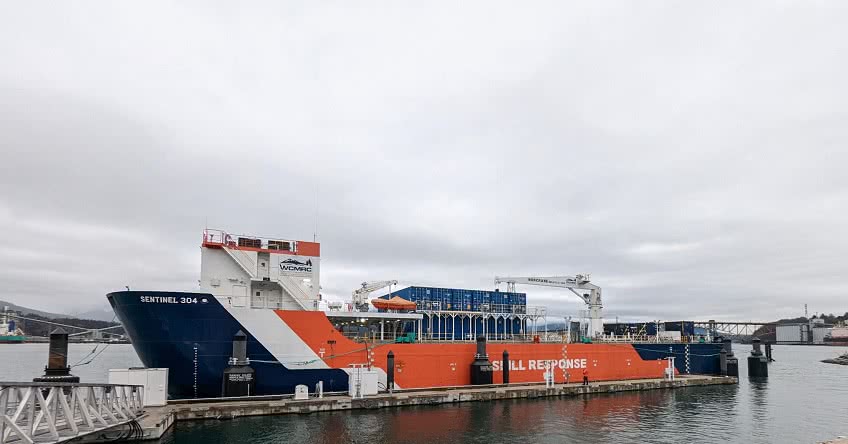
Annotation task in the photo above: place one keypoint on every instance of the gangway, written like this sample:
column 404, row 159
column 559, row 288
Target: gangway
column 68, row 411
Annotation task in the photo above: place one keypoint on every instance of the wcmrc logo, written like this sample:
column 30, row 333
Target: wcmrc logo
column 296, row 265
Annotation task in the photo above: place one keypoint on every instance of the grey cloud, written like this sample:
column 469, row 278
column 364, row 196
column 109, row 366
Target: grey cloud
column 689, row 156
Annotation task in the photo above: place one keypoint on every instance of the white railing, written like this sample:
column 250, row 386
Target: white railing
column 221, row 237
column 295, row 290
column 651, row 339
column 491, row 336
column 243, row 259
column 375, row 337
column 55, row 412
column 489, row 309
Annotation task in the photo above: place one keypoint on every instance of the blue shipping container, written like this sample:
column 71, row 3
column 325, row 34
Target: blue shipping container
column 455, row 299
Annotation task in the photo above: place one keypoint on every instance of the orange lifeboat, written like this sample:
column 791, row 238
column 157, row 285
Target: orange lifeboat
column 395, row 303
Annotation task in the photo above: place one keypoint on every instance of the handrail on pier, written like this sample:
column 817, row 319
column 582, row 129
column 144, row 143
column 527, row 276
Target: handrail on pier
column 47, row 412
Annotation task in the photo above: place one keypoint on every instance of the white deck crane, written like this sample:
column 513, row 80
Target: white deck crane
column 361, row 295
column 573, row 283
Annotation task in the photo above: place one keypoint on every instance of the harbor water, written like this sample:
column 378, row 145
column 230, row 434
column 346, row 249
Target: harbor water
column 803, row 401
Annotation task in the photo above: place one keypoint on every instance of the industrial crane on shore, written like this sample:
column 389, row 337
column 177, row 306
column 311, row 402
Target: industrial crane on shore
column 362, row 294
column 573, row 283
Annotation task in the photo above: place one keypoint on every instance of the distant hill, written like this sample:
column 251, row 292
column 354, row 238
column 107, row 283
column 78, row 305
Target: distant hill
column 26, row 311
column 35, row 328
column 104, row 314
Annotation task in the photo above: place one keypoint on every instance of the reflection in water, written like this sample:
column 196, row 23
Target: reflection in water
column 752, row 412
column 598, row 418
column 758, row 388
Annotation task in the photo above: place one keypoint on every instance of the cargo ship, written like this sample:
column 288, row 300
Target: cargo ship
column 264, row 293
column 9, row 333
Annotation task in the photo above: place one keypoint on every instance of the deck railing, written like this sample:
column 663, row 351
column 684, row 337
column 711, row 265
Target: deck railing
column 491, row 336
column 235, row 241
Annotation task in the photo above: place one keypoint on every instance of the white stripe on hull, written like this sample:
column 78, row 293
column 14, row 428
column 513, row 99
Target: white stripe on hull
column 278, row 338
column 286, row 346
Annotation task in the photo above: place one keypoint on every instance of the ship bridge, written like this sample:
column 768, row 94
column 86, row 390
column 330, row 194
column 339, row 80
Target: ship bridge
column 260, row 272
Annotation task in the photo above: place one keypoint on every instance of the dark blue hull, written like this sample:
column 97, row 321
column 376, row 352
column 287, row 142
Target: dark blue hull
column 194, row 340
column 695, row 358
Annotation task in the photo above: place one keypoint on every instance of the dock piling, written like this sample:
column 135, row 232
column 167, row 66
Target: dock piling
column 239, row 376
column 757, row 362
column 390, row 371
column 505, row 367
column 481, row 368
column 57, row 369
column 732, row 361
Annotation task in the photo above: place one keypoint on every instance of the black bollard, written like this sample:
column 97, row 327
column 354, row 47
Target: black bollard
column 728, row 345
column 239, row 377
column 505, row 367
column 57, row 369
column 732, row 362
column 757, row 362
column 240, row 348
column 481, row 368
column 722, row 361
column 390, row 371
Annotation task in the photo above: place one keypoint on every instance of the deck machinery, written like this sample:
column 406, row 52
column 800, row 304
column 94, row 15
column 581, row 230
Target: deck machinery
column 573, row 283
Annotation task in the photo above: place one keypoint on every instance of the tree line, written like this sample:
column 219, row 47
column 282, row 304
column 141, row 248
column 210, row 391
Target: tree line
column 35, row 328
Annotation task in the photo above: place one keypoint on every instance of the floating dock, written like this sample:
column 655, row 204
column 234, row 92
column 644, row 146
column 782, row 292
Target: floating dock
column 157, row 420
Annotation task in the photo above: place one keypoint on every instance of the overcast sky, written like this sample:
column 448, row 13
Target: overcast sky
column 690, row 155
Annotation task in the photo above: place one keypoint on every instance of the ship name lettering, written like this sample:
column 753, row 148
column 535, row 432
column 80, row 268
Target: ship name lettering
column 168, row 300
column 540, row 364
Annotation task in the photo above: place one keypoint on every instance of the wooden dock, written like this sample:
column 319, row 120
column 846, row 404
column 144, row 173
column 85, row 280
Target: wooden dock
column 157, row 420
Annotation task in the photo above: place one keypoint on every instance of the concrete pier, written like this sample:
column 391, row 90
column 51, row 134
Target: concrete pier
column 158, row 420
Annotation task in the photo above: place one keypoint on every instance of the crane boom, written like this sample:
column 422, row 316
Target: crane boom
column 573, row 283
column 362, row 294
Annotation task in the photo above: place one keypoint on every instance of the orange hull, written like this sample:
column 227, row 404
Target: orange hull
column 447, row 364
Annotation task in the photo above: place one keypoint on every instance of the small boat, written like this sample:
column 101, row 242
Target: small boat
column 9, row 333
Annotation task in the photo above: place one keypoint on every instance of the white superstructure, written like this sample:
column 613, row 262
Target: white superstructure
column 257, row 272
